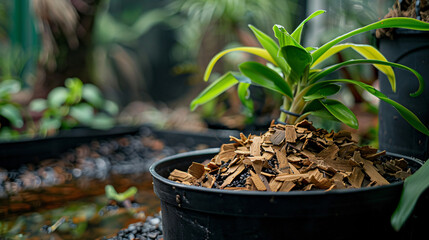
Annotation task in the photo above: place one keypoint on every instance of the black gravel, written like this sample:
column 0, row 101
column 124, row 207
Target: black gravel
column 149, row 229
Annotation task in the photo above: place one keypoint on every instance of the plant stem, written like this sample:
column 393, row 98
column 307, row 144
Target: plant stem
column 286, row 105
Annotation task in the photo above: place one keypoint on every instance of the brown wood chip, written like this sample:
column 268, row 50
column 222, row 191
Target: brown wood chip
column 196, row 170
column 209, row 181
column 356, row 177
column 260, row 186
column 290, row 177
column 287, row 187
column 181, row 176
column 255, row 148
column 290, row 134
column 278, row 137
column 370, row 170
column 257, row 165
column 275, row 185
column 282, row 159
column 296, row 157
column 224, row 157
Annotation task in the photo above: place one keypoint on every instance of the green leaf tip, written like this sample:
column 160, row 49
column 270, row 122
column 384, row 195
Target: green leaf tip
column 414, row 186
column 120, row 197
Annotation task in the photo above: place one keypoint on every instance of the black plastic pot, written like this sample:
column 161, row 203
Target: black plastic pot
column 190, row 212
column 410, row 48
column 15, row 153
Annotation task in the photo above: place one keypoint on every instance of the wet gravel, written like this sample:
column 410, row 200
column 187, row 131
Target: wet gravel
column 125, row 155
column 149, row 229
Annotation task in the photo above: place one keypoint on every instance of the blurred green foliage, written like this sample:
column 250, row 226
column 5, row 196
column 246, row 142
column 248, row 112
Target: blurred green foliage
column 76, row 104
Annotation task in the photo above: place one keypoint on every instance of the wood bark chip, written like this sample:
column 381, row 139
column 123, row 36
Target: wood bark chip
column 356, row 177
column 196, row 170
column 278, row 137
column 181, row 176
column 287, row 187
column 260, row 186
column 370, row 170
column 294, row 157
column 257, row 165
column 255, row 148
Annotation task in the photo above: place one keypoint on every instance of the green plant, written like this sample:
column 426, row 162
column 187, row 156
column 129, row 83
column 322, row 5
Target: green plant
column 73, row 105
column 10, row 112
column 305, row 88
column 297, row 77
column 119, row 197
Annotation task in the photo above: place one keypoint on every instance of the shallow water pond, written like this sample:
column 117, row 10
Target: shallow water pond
column 82, row 207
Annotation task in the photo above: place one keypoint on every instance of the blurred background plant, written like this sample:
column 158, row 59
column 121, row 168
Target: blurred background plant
column 76, row 104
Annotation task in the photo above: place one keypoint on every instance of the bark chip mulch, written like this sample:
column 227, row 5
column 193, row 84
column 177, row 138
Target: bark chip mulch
column 294, row 157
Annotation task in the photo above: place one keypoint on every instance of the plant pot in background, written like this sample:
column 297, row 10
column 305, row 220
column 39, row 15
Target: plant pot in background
column 409, row 48
column 14, row 154
column 190, row 212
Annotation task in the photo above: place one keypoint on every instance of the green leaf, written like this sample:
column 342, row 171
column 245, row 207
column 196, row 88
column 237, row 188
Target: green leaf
column 214, row 89
column 323, row 92
column 265, row 77
column 315, row 108
column 410, row 117
column 57, row 97
column 8, row 87
column 75, row 90
column 297, row 58
column 335, row 67
column 120, row 197
column 414, row 186
column 397, row 22
column 102, row 121
column 253, row 50
column 273, row 49
column 92, row 95
column 12, row 113
column 83, row 113
column 368, row 52
column 38, row 105
column 111, row 107
column 297, row 33
column 243, row 94
column 341, row 112
column 283, row 36
column 49, row 123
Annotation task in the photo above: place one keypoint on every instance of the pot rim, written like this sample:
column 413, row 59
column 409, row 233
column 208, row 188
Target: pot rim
column 210, row 151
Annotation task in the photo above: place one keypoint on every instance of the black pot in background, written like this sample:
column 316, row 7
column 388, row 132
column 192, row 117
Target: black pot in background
column 14, row 154
column 409, row 48
column 190, row 212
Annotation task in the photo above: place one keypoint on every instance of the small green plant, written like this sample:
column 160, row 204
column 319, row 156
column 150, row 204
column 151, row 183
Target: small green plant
column 10, row 112
column 73, row 105
column 293, row 71
column 119, row 197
